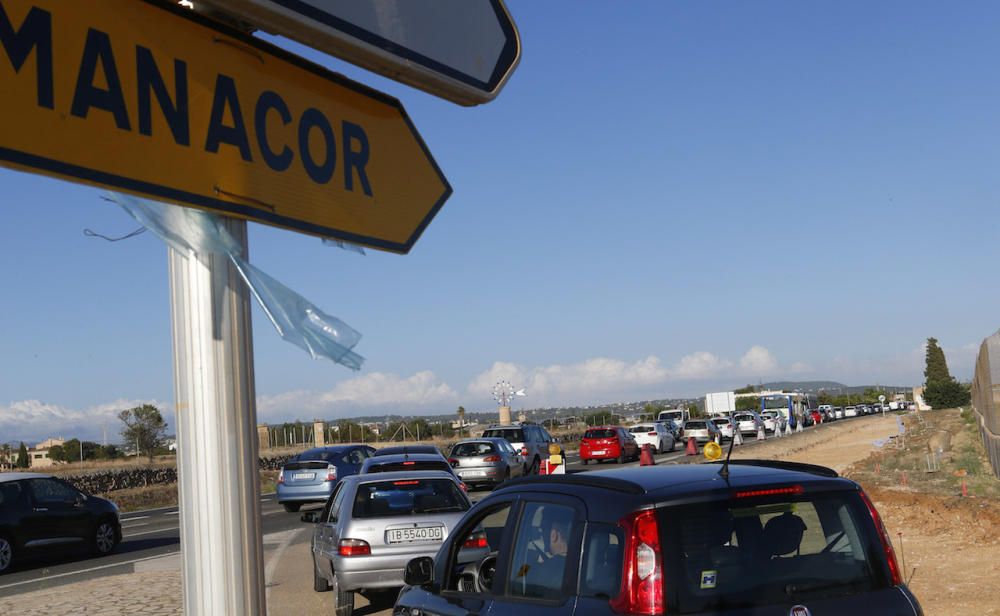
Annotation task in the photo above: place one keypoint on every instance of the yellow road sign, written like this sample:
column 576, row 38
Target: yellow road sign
column 157, row 101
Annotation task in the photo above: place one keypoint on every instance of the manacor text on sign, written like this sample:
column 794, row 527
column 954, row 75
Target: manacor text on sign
column 151, row 99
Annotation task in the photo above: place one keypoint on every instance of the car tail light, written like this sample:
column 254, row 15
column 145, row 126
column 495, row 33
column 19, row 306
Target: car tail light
column 790, row 490
column 476, row 540
column 453, row 461
column 651, row 434
column 890, row 554
column 354, row 547
column 642, row 578
column 462, row 485
column 281, row 476
column 491, row 459
column 524, row 451
column 408, row 482
column 409, row 463
column 331, row 473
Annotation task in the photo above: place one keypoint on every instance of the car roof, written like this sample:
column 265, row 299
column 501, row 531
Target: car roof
column 407, row 449
column 495, row 440
column 19, row 476
column 403, row 457
column 664, row 482
column 397, row 475
column 608, row 427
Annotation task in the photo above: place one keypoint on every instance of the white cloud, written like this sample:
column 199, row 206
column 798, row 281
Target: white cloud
column 700, row 365
column 595, row 375
column 758, row 361
column 32, row 420
column 375, row 392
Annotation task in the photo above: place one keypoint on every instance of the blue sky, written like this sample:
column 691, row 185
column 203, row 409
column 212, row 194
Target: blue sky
column 666, row 199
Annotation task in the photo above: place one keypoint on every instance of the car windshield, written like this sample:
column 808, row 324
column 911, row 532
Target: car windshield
column 744, row 553
column 408, row 497
column 511, row 436
column 695, row 425
column 464, row 450
column 601, row 433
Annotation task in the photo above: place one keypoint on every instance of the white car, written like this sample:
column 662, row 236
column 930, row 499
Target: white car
column 725, row 426
column 655, row 434
column 850, row 411
column 748, row 422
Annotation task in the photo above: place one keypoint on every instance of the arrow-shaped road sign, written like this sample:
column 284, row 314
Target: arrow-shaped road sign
column 151, row 99
column 460, row 50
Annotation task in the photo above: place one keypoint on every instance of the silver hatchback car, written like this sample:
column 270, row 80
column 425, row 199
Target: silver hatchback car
column 488, row 460
column 372, row 525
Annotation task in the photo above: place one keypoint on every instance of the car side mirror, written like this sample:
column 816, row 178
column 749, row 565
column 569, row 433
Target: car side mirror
column 419, row 571
column 80, row 501
column 312, row 517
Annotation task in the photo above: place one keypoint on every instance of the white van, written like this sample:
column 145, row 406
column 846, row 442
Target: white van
column 678, row 416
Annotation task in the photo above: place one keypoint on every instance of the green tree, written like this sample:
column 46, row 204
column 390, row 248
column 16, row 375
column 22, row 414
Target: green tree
column 693, row 410
column 23, row 461
column 941, row 390
column 749, row 389
column 937, row 367
column 144, row 426
column 57, row 453
column 748, row 403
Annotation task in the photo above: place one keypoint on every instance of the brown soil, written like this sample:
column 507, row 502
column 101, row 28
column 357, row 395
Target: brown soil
column 949, row 545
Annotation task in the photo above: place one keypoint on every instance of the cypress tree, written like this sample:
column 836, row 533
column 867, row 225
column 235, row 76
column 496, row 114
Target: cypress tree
column 22, row 456
column 937, row 367
column 941, row 390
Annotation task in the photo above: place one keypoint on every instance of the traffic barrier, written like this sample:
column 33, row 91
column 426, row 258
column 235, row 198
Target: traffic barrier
column 717, row 439
column 646, row 457
column 798, row 426
column 777, row 431
column 692, row 447
column 760, row 434
column 737, row 437
column 788, row 429
column 965, row 489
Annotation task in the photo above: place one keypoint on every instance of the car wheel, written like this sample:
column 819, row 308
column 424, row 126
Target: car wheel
column 343, row 601
column 536, row 464
column 105, row 538
column 320, row 583
column 621, row 457
column 291, row 507
column 585, row 461
column 673, row 444
column 6, row 553
column 661, row 448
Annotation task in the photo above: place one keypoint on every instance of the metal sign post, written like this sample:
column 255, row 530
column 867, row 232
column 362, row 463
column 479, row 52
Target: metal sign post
column 223, row 562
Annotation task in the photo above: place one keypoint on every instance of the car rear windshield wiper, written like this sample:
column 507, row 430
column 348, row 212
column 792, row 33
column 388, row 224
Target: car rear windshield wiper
column 442, row 509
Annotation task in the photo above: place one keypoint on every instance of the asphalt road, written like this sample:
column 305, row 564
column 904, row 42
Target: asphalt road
column 152, row 534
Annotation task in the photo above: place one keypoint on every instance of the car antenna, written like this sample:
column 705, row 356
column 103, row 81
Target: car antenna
column 724, row 471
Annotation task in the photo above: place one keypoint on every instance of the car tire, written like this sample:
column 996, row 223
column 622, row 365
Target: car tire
column 621, row 457
column 6, row 553
column 661, row 448
column 105, row 538
column 291, row 507
column 673, row 445
column 536, row 465
column 320, row 583
column 585, row 461
column 343, row 600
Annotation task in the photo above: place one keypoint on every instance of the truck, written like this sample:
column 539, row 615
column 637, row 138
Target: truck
column 721, row 403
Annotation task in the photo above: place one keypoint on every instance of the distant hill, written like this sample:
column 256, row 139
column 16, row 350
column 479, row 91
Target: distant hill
column 833, row 387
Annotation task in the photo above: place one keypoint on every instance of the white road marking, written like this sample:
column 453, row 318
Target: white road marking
column 135, row 525
column 149, row 532
column 138, row 517
column 60, row 575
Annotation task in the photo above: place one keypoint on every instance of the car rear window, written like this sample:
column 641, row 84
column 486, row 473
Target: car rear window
column 511, row 436
column 640, row 429
column 410, row 465
column 599, row 434
column 464, row 450
column 694, row 425
column 749, row 552
column 306, row 465
column 408, row 497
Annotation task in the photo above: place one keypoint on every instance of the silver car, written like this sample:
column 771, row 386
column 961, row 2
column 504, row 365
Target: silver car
column 372, row 525
column 488, row 460
column 701, row 430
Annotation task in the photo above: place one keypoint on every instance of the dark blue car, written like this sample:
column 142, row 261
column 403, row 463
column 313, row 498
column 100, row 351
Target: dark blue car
column 311, row 476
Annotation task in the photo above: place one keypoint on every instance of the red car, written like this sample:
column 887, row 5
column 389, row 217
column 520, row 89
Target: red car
column 817, row 417
column 608, row 443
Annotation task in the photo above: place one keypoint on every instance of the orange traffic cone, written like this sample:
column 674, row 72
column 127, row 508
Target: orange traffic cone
column 646, row 457
column 692, row 448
